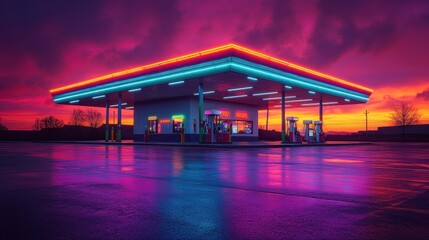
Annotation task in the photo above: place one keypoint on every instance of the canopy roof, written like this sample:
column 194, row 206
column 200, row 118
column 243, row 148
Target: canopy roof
column 228, row 73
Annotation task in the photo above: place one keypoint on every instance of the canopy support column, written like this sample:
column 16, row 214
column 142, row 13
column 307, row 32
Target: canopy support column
column 283, row 117
column 201, row 110
column 118, row 135
column 107, row 121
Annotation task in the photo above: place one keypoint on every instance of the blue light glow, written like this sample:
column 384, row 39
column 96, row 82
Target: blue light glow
column 347, row 100
column 175, row 83
column 252, row 78
column 135, row 90
column 314, row 104
column 74, row 101
column 100, row 96
column 238, row 89
column 204, row 93
column 312, row 92
column 264, row 93
column 288, row 87
column 237, row 96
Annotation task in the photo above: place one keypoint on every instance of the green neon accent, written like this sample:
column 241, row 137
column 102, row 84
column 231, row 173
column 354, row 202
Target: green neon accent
column 178, row 116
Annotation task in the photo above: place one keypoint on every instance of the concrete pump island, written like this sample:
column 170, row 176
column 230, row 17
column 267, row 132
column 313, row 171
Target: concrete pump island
column 213, row 96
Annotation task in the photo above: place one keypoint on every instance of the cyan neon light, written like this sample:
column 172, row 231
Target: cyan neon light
column 271, row 98
column 299, row 100
column 252, row 78
column 135, row 90
column 312, row 92
column 264, row 93
column 237, row 96
column 115, row 105
column 347, row 100
column 238, row 89
column 99, row 96
column 217, row 66
column 175, row 83
column 288, row 87
column 204, row 93
column 314, row 104
column 74, row 101
column 270, row 75
column 133, row 82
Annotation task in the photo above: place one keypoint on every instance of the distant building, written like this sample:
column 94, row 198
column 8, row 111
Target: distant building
column 421, row 129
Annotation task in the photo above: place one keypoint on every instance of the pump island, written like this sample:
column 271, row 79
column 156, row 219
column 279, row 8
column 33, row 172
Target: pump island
column 213, row 96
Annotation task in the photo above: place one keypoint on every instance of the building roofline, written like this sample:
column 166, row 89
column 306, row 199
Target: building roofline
column 105, row 78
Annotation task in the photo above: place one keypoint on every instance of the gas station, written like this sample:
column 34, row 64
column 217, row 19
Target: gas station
column 213, row 96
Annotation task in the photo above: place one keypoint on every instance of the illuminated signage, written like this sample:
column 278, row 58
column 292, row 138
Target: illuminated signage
column 164, row 121
column 152, row 118
column 241, row 115
column 178, row 117
column 225, row 114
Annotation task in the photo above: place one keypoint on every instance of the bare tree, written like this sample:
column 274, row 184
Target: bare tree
column 94, row 118
column 47, row 122
column 77, row 117
column 404, row 114
column 37, row 126
column 3, row 127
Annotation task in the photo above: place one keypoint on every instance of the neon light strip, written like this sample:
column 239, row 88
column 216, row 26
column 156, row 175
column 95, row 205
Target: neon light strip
column 237, row 96
column 281, row 106
column 347, row 100
column 74, row 101
column 175, row 83
column 238, row 89
column 135, row 90
column 145, row 67
column 303, row 69
column 314, row 104
column 204, row 93
column 100, row 96
column 265, row 93
column 206, row 52
column 115, row 105
column 252, row 78
column 219, row 66
column 297, row 82
column 312, row 92
column 299, row 100
column 288, row 87
column 129, row 108
column 276, row 98
column 133, row 82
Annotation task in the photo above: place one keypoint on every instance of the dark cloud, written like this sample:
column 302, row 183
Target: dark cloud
column 346, row 25
column 423, row 95
column 45, row 30
column 282, row 29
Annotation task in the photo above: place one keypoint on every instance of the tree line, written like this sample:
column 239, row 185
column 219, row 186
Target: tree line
column 90, row 118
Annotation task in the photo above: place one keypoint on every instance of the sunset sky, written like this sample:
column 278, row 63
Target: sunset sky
column 383, row 45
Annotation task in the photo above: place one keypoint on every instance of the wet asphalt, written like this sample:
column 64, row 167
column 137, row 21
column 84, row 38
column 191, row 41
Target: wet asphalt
column 91, row 191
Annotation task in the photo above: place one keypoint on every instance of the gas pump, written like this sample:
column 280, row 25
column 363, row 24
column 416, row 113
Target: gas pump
column 320, row 135
column 309, row 132
column 216, row 132
column 212, row 120
column 294, row 135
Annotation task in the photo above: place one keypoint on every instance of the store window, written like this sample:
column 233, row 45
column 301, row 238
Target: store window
column 239, row 127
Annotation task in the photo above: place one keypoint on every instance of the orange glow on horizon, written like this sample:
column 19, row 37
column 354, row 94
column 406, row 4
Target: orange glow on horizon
column 207, row 52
